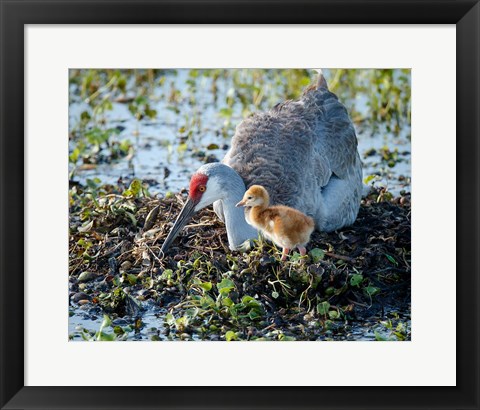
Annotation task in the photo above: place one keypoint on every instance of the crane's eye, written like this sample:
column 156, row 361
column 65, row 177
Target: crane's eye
column 249, row 197
column 202, row 188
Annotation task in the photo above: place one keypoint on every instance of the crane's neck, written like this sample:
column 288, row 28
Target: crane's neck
column 238, row 230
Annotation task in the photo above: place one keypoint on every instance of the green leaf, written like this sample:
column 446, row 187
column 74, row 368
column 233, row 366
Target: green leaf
column 226, row 112
column 135, row 187
column 167, row 274
column 85, row 116
column 381, row 338
column 391, row 259
column 227, row 302
column 399, row 335
column 132, row 218
column 74, row 155
column 225, row 286
column 275, row 295
column 253, row 315
column 249, row 301
column 170, row 319
column 333, row 314
column 283, row 338
column 368, row 179
column 125, row 146
column 85, row 244
column 150, row 112
column 132, row 279
column 207, row 302
column 206, row 286
column 330, row 291
column 372, row 290
column 295, row 257
column 356, row 279
column 191, row 313
column 181, row 323
column 106, row 337
column 106, row 321
column 316, row 254
column 101, row 335
column 322, row 308
column 230, row 335
column 182, row 148
column 141, row 100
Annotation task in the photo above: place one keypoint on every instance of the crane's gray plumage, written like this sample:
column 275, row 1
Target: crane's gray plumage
column 304, row 152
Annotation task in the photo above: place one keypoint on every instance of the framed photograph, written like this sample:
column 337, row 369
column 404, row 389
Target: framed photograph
column 255, row 205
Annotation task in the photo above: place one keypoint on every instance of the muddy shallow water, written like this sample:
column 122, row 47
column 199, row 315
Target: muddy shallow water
column 82, row 322
column 166, row 156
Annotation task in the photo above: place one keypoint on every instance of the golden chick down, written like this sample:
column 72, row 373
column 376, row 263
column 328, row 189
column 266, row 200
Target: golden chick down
column 285, row 226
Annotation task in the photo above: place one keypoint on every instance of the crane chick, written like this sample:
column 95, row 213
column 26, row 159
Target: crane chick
column 283, row 225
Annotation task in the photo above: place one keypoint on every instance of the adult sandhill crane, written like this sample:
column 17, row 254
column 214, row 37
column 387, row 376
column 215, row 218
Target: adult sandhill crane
column 304, row 152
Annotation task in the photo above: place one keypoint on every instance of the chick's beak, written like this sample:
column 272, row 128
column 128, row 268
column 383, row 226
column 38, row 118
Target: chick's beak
column 241, row 203
column 186, row 213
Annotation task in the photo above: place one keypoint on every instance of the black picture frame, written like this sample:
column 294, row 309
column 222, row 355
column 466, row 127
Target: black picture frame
column 16, row 14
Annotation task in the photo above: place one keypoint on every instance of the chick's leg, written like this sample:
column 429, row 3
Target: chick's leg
column 285, row 253
column 303, row 250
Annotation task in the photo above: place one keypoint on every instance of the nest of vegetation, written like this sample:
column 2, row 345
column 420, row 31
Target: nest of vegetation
column 356, row 276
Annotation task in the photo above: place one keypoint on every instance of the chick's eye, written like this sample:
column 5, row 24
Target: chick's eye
column 202, row 188
column 249, row 197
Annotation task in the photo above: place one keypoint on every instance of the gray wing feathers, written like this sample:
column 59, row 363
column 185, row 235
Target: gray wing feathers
column 278, row 166
column 337, row 137
column 313, row 139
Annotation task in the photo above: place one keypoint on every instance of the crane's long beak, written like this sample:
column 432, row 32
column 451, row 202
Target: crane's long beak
column 241, row 203
column 185, row 214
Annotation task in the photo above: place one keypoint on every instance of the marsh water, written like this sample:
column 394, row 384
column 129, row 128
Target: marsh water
column 190, row 119
column 194, row 125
